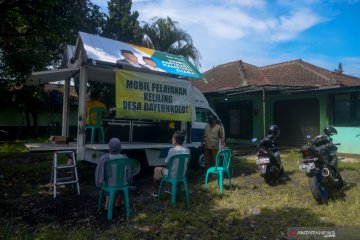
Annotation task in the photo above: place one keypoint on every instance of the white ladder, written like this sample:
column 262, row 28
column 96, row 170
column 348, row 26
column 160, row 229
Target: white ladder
column 73, row 179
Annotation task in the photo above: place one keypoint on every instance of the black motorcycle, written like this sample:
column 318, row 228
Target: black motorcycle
column 269, row 161
column 320, row 165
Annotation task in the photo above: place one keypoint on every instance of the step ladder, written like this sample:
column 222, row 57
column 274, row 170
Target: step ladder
column 73, row 179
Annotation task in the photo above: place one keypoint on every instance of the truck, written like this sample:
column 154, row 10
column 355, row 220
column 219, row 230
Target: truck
column 150, row 102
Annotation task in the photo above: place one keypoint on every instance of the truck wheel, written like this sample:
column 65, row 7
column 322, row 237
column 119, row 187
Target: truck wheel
column 201, row 160
column 318, row 189
column 143, row 166
column 197, row 158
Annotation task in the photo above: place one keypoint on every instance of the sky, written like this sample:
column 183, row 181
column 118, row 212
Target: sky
column 259, row 32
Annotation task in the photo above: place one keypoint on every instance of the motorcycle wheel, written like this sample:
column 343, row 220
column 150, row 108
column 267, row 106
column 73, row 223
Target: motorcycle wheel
column 268, row 178
column 318, row 189
column 281, row 170
column 340, row 183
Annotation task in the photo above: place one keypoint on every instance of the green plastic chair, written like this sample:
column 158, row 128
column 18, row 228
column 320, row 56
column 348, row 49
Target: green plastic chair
column 99, row 113
column 222, row 165
column 183, row 163
column 115, row 180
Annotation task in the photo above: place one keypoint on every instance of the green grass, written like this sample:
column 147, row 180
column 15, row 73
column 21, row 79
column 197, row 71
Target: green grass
column 16, row 147
column 7, row 149
column 249, row 210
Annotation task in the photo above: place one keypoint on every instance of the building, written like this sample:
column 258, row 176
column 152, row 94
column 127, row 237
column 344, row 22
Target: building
column 299, row 97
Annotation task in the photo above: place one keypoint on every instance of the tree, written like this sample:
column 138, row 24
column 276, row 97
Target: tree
column 340, row 69
column 33, row 34
column 121, row 24
column 164, row 35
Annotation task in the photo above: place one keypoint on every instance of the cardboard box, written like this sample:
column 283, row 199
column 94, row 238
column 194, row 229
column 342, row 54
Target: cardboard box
column 58, row 139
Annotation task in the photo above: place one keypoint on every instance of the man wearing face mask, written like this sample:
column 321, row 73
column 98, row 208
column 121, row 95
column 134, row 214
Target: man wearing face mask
column 213, row 140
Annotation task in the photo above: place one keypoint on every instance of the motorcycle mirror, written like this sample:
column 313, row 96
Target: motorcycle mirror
column 308, row 136
column 254, row 139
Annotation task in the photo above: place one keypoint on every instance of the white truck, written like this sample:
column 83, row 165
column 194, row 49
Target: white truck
column 151, row 103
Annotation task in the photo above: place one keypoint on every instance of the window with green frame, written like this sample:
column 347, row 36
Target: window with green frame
column 346, row 110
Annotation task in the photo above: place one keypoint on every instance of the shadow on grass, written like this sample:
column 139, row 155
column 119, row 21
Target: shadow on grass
column 290, row 172
column 243, row 167
column 210, row 215
column 341, row 193
column 268, row 223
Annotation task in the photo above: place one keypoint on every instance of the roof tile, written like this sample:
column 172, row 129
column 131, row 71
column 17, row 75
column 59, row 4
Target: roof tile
column 295, row 73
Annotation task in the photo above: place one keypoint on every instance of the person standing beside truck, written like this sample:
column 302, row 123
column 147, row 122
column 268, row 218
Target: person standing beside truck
column 213, row 140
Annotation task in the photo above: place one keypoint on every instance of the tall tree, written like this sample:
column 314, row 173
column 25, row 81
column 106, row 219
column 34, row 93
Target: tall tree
column 162, row 34
column 122, row 24
column 33, row 34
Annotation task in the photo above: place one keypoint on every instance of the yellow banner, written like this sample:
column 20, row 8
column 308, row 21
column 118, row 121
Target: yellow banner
column 149, row 96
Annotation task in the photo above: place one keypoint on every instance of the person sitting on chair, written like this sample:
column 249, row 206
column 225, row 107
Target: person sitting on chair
column 160, row 172
column 94, row 102
column 114, row 153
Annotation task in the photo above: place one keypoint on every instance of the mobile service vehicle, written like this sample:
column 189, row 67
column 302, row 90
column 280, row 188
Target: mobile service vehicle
column 150, row 103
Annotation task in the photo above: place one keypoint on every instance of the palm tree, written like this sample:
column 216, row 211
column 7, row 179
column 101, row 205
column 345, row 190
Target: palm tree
column 163, row 35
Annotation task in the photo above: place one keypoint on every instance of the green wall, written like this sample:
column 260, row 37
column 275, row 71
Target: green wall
column 11, row 117
column 270, row 101
column 346, row 136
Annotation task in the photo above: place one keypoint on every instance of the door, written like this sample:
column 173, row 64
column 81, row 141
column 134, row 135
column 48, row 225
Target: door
column 296, row 119
column 237, row 118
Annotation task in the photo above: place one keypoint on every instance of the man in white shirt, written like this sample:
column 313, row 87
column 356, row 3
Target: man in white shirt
column 160, row 172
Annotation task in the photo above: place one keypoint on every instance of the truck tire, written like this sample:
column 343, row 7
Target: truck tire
column 197, row 158
column 141, row 158
column 201, row 160
column 319, row 189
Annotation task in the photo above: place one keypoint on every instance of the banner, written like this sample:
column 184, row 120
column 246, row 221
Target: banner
column 148, row 96
column 120, row 53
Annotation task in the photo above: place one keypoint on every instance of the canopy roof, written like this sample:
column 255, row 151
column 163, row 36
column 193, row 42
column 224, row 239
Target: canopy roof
column 111, row 51
column 103, row 55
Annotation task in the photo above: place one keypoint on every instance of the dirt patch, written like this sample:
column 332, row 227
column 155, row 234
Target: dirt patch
column 26, row 198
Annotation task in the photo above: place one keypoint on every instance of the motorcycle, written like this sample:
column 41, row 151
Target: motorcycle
column 320, row 165
column 268, row 157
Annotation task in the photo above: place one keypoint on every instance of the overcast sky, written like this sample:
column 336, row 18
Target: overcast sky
column 258, row 32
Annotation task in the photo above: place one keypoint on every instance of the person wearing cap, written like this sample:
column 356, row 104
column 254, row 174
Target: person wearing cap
column 213, row 140
column 114, row 153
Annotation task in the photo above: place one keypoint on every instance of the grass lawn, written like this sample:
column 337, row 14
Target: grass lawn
column 249, row 210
